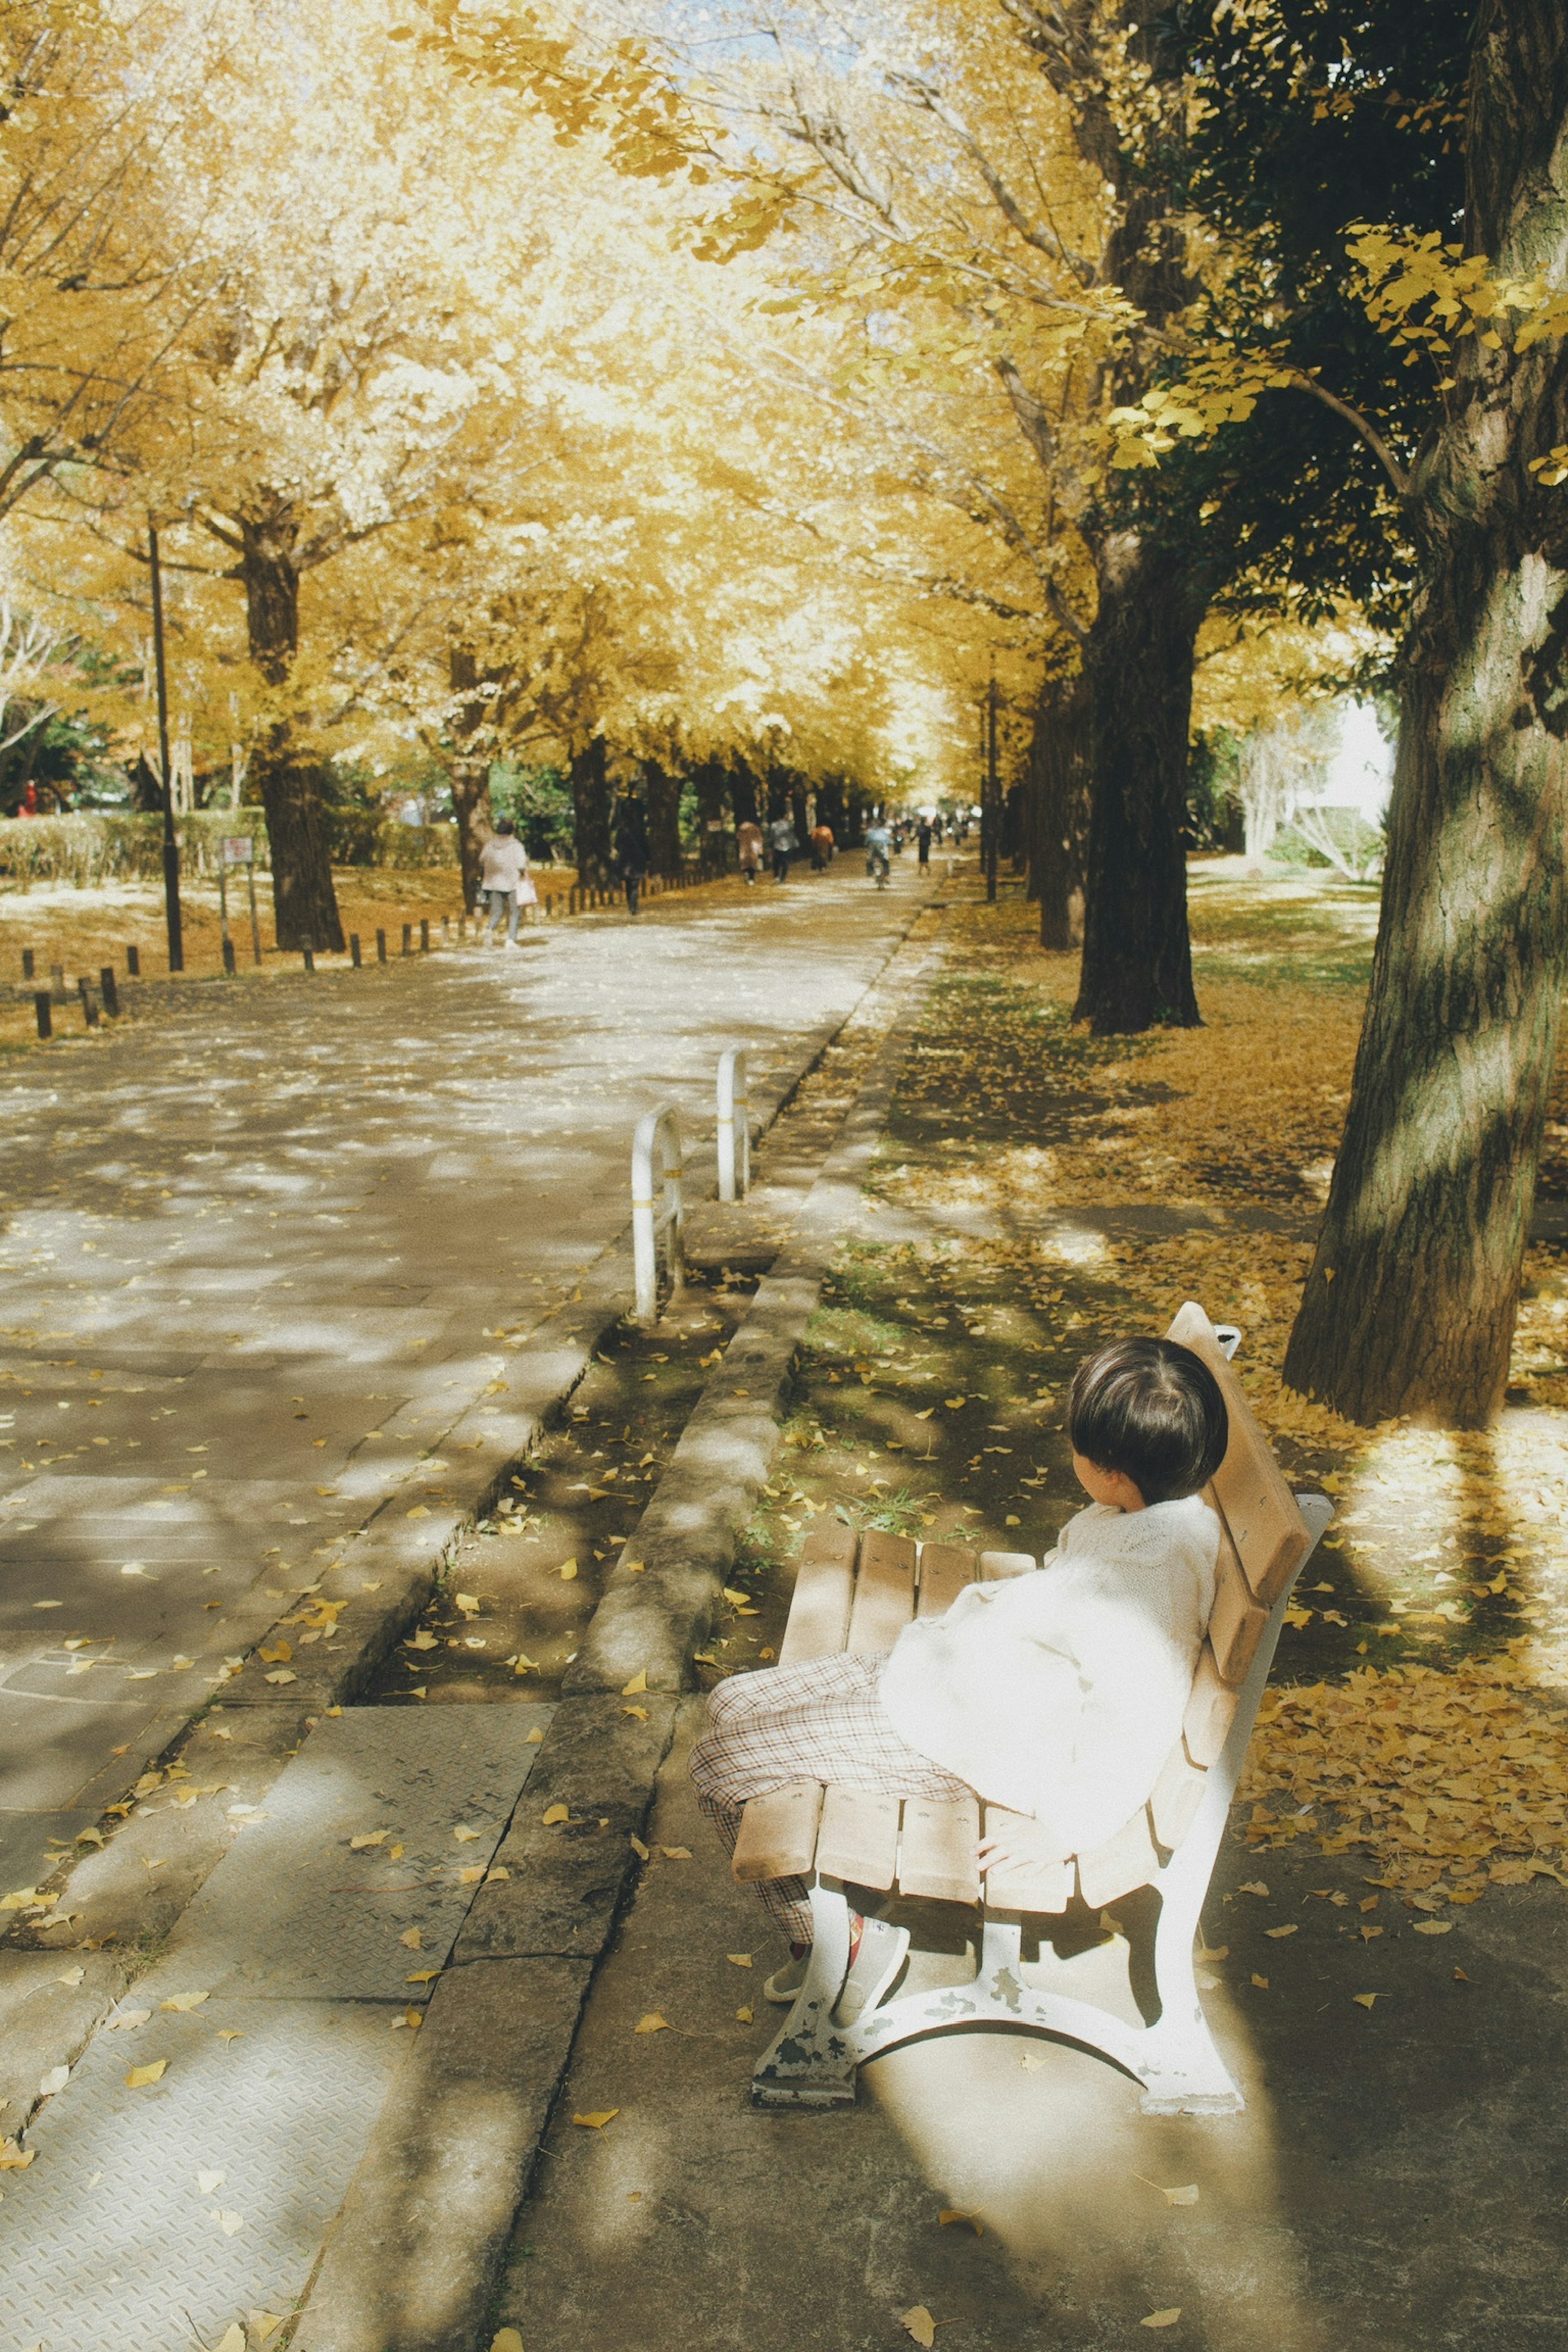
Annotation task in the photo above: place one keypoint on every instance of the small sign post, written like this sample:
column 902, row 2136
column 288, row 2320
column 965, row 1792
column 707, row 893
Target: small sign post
column 237, row 849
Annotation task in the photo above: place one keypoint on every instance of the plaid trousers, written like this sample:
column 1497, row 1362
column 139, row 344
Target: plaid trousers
column 824, row 1721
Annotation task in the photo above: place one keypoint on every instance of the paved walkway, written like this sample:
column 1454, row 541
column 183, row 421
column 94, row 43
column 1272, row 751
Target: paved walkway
column 224, row 1221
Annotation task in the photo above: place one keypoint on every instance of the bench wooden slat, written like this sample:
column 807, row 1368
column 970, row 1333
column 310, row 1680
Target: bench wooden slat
column 884, row 1592
column 936, row 1852
column 1238, row 1623
column 778, row 1832
column 1128, row 1859
column 1211, row 1711
column 1044, row 1886
column 859, row 1836
column 823, row 1588
column 1178, row 1793
column 994, row 1566
column 946, row 1569
column 1265, row 1522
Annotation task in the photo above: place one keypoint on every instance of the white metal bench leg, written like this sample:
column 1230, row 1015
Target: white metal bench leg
column 810, row 2063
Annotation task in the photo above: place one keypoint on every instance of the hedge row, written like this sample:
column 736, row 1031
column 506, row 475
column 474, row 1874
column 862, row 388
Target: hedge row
column 111, row 847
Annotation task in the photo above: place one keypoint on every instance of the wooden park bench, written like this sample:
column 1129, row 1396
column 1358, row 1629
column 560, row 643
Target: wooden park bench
column 856, row 1594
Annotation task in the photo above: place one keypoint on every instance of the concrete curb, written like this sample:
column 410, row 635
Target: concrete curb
column 413, row 2259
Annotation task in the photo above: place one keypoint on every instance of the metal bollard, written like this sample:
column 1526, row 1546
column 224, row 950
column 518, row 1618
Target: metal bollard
column 734, row 1126
column 408, row 939
column 109, row 991
column 309, row 958
column 380, row 946
column 354, row 949
column 41, row 1002
column 228, row 958
column 89, row 1009
column 658, row 1131
column 445, row 930
column 134, row 962
column 424, row 935
column 57, row 982
column 27, row 963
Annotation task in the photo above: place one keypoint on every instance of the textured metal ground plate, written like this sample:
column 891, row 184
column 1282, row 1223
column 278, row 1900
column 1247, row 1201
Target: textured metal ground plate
column 295, row 1911
column 275, row 2079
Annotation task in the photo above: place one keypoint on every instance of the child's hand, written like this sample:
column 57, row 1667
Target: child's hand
column 1012, row 1842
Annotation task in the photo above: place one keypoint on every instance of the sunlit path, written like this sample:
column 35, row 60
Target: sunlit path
column 276, row 1234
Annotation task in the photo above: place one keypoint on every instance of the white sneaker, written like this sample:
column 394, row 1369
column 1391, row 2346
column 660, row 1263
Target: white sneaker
column 785, row 1982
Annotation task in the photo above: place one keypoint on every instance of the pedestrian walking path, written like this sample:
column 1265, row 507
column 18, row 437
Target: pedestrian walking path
column 267, row 1255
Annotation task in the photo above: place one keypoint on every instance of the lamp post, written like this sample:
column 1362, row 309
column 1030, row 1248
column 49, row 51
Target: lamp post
column 171, row 845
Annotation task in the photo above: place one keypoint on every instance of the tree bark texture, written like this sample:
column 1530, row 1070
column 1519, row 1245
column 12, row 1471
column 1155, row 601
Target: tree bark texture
column 1137, row 968
column 1059, row 768
column 470, row 770
column 709, row 778
column 1410, row 1305
column 743, row 793
column 663, row 792
column 593, row 849
column 304, row 902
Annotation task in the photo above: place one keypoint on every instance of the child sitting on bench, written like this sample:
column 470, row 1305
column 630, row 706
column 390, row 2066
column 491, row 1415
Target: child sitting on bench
column 1055, row 1694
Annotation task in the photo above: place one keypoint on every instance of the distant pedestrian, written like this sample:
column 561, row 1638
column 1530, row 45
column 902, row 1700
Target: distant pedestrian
column 781, row 834
column 749, row 848
column 633, row 855
column 922, row 840
column 503, row 869
column 821, row 847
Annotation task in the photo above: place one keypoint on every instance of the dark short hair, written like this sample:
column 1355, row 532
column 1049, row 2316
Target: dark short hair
column 505, row 825
column 1151, row 1408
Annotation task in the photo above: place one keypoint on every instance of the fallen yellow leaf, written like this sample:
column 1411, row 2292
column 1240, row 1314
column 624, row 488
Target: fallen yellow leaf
column 465, row 1835
column 553, row 1813
column 1288, row 1929
column 278, row 1655
column 231, row 2224
column 182, row 2002
column 14, row 2159
column 676, row 1853
column 139, row 2076
column 534, row 1735
column 422, row 1976
column 956, row 2213
column 640, row 1713
column 471, row 1876
column 640, row 1849
column 652, row 2023
column 638, row 1683
column 1433, row 1927
column 233, row 2337
column 738, row 1959
column 71, row 1976
column 596, row 2121
column 568, row 1570
column 209, row 2183
column 1162, row 2318
column 1261, row 1982
column 506, row 2340
column 1363, row 2000
column 919, row 2324
column 367, row 1837
column 412, row 1938
column 229, row 2033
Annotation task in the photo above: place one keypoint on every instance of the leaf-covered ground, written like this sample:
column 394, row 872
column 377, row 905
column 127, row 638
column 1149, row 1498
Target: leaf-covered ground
column 1039, row 1190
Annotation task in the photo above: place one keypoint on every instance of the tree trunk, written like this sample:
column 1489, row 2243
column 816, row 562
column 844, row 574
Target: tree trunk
column 742, row 793
column 304, row 902
column 1410, row 1305
column 710, row 780
column 663, row 792
column 593, row 850
column 470, row 770
column 830, row 809
column 1137, row 965
column 1058, row 761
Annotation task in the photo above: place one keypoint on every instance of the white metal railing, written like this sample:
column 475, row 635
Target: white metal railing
column 734, row 1126
column 658, row 1135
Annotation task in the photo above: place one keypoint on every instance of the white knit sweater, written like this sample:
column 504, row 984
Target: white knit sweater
column 1059, row 1694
